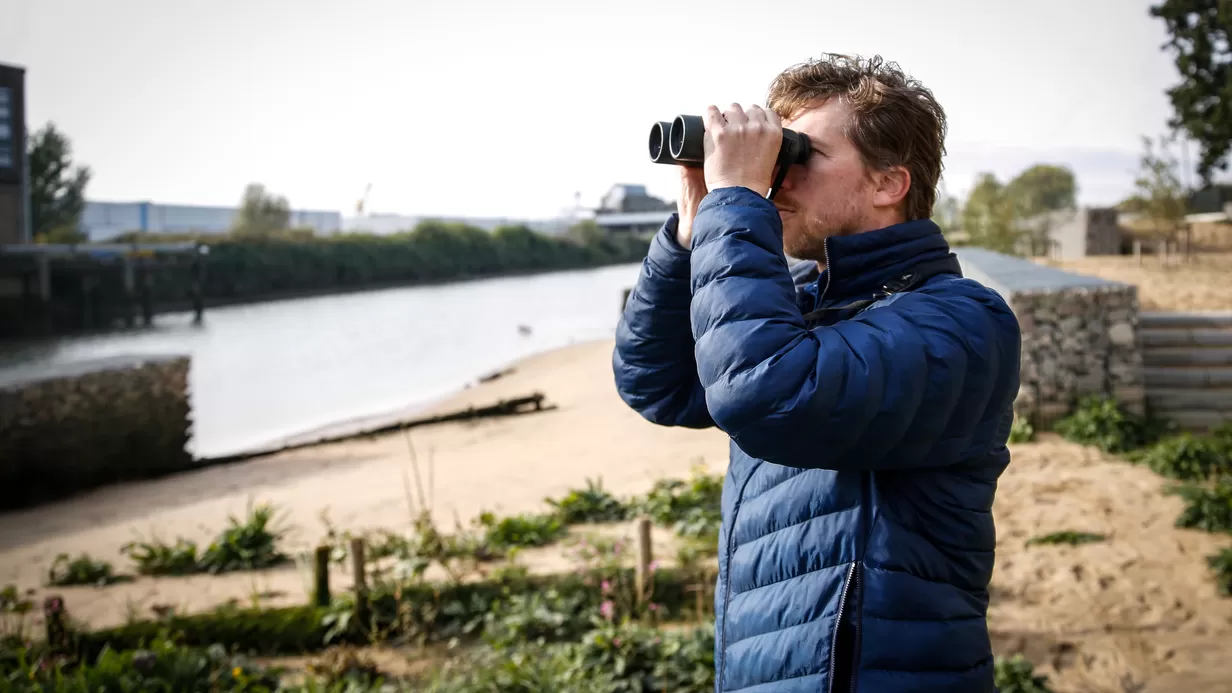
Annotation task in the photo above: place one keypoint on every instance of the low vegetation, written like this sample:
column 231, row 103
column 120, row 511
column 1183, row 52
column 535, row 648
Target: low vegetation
column 1202, row 464
column 251, row 544
column 1021, row 431
column 589, row 630
column 1067, row 538
column 66, row 571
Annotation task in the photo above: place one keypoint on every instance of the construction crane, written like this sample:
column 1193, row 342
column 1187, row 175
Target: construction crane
column 363, row 201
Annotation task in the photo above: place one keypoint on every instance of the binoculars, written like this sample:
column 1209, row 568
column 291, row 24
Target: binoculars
column 683, row 138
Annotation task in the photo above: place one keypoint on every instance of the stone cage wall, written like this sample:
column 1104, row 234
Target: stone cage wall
column 89, row 424
column 1079, row 334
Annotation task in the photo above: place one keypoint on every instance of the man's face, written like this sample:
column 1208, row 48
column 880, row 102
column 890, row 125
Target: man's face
column 829, row 195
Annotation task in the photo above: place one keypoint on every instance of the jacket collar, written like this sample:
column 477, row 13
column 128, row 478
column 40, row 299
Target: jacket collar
column 860, row 264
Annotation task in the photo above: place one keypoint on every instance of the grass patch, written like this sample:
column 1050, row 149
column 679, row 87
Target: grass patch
column 66, row 571
column 1207, row 507
column 524, row 530
column 1101, row 421
column 251, row 544
column 1221, row 564
column 593, row 504
column 1186, row 457
column 691, row 508
column 1021, row 431
column 1017, row 675
column 1066, row 538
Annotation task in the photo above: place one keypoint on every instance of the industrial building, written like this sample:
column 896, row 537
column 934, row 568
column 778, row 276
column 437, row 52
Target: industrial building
column 385, row 224
column 629, row 208
column 14, row 172
column 102, row 221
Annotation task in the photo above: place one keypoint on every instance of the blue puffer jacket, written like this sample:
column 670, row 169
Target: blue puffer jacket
column 857, row 538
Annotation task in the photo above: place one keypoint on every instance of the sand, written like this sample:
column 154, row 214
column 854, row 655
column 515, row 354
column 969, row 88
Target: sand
column 1139, row 609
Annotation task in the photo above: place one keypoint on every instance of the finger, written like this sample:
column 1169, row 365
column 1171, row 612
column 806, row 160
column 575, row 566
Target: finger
column 736, row 115
column 756, row 114
column 714, row 118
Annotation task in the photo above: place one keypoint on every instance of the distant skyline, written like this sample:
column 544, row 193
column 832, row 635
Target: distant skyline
column 490, row 109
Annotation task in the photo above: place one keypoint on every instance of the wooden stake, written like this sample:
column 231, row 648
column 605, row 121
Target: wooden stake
column 321, row 575
column 358, row 569
column 644, row 558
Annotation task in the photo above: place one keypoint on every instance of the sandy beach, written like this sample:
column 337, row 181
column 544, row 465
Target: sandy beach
column 1138, row 612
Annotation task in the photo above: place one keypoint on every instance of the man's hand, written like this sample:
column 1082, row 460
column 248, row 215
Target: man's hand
column 741, row 148
column 692, row 190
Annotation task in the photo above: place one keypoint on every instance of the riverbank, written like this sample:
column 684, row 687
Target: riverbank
column 264, row 372
column 1138, row 607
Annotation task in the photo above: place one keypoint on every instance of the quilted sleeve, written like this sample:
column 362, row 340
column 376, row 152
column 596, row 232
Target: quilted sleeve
column 653, row 362
column 915, row 383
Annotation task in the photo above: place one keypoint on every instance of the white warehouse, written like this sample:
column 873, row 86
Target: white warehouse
column 101, row 221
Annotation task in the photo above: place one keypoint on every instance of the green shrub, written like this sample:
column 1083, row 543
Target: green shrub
column 1068, row 537
column 1221, row 563
column 288, row 630
column 1102, row 422
column 1017, row 675
column 248, row 545
column 1021, row 431
column 1186, row 457
column 82, row 570
column 1207, row 507
column 591, row 504
column 626, row 658
column 521, row 530
column 691, row 507
column 165, row 666
column 159, row 558
column 243, row 268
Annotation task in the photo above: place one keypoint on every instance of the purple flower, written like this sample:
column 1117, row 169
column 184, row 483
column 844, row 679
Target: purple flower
column 605, row 586
column 606, row 609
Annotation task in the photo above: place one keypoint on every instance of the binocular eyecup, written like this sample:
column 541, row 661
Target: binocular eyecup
column 680, row 143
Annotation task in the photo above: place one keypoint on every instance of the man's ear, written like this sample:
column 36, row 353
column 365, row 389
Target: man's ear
column 892, row 185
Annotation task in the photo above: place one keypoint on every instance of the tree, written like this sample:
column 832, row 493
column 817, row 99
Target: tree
column 1200, row 36
column 1034, row 195
column 947, row 211
column 1041, row 189
column 1158, row 194
column 261, row 213
column 57, row 188
column 988, row 216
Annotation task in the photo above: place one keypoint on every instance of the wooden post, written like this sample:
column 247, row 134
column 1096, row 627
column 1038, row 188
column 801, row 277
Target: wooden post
column 197, row 289
column 130, row 292
column 46, row 314
column 644, row 557
column 1138, row 250
column 359, row 570
column 147, row 296
column 320, row 595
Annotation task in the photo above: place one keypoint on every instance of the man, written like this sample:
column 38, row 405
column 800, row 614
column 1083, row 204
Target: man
column 857, row 539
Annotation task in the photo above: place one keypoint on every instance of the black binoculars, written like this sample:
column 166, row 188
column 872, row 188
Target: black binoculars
column 683, row 137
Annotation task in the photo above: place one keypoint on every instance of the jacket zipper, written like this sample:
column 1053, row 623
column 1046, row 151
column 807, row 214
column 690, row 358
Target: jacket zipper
column 853, row 579
column 825, row 250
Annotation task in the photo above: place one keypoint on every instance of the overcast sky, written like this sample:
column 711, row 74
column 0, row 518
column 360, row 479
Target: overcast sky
column 485, row 108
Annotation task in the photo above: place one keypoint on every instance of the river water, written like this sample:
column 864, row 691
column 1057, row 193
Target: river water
column 264, row 371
